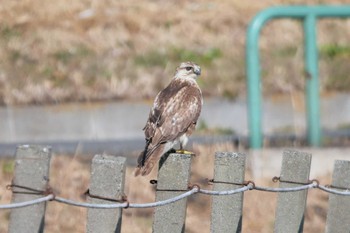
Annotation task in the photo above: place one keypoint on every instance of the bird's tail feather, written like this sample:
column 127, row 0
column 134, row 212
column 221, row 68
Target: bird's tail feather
column 152, row 157
column 143, row 156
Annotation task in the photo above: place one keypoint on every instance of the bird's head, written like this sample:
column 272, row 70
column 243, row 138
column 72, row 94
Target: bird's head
column 188, row 70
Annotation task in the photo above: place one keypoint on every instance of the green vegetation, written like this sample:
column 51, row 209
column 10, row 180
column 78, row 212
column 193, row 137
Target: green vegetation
column 336, row 58
column 66, row 56
column 202, row 128
column 151, row 58
column 63, row 56
column 206, row 57
column 344, row 126
column 332, row 51
column 287, row 51
column 176, row 55
column 7, row 32
column 8, row 166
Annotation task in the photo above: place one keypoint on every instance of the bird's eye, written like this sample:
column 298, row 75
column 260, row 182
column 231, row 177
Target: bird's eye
column 188, row 68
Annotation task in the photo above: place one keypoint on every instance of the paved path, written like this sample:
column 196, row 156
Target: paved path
column 118, row 125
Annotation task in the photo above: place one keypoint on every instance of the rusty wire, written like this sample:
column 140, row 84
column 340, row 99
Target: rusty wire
column 193, row 189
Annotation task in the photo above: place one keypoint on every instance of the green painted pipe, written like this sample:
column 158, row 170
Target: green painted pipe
column 312, row 83
column 309, row 14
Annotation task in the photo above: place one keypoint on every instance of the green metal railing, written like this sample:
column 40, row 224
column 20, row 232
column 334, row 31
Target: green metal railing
column 309, row 15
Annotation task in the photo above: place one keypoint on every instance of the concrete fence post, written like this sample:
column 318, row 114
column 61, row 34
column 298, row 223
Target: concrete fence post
column 291, row 205
column 226, row 215
column 107, row 181
column 31, row 170
column 338, row 217
column 173, row 179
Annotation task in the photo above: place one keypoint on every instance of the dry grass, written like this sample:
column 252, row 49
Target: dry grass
column 70, row 176
column 83, row 51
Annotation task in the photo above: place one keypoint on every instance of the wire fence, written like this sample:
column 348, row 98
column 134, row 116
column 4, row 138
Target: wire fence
column 173, row 187
column 194, row 189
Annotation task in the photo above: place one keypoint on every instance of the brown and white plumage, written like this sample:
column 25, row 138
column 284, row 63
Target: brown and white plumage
column 173, row 116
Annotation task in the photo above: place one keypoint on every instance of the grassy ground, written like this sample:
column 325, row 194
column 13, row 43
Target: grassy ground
column 54, row 52
column 70, row 178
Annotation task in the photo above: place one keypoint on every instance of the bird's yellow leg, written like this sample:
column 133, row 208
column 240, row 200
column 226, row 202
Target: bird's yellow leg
column 181, row 151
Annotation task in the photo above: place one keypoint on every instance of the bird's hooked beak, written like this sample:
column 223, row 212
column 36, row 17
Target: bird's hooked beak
column 197, row 70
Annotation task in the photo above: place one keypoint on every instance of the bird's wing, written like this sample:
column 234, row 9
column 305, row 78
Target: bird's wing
column 181, row 113
column 176, row 108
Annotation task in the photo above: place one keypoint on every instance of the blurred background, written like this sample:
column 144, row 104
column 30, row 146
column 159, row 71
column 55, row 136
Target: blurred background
column 81, row 76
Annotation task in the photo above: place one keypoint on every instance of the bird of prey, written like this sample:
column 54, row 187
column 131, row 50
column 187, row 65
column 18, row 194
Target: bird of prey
column 172, row 118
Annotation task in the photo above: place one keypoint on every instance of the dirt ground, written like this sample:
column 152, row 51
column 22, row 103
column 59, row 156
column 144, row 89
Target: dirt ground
column 69, row 176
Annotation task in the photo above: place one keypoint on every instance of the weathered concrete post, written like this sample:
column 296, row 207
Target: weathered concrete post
column 31, row 170
column 338, row 217
column 107, row 181
column 291, row 205
column 226, row 213
column 173, row 179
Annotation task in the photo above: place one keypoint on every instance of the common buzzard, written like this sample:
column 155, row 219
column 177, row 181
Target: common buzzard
column 172, row 118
